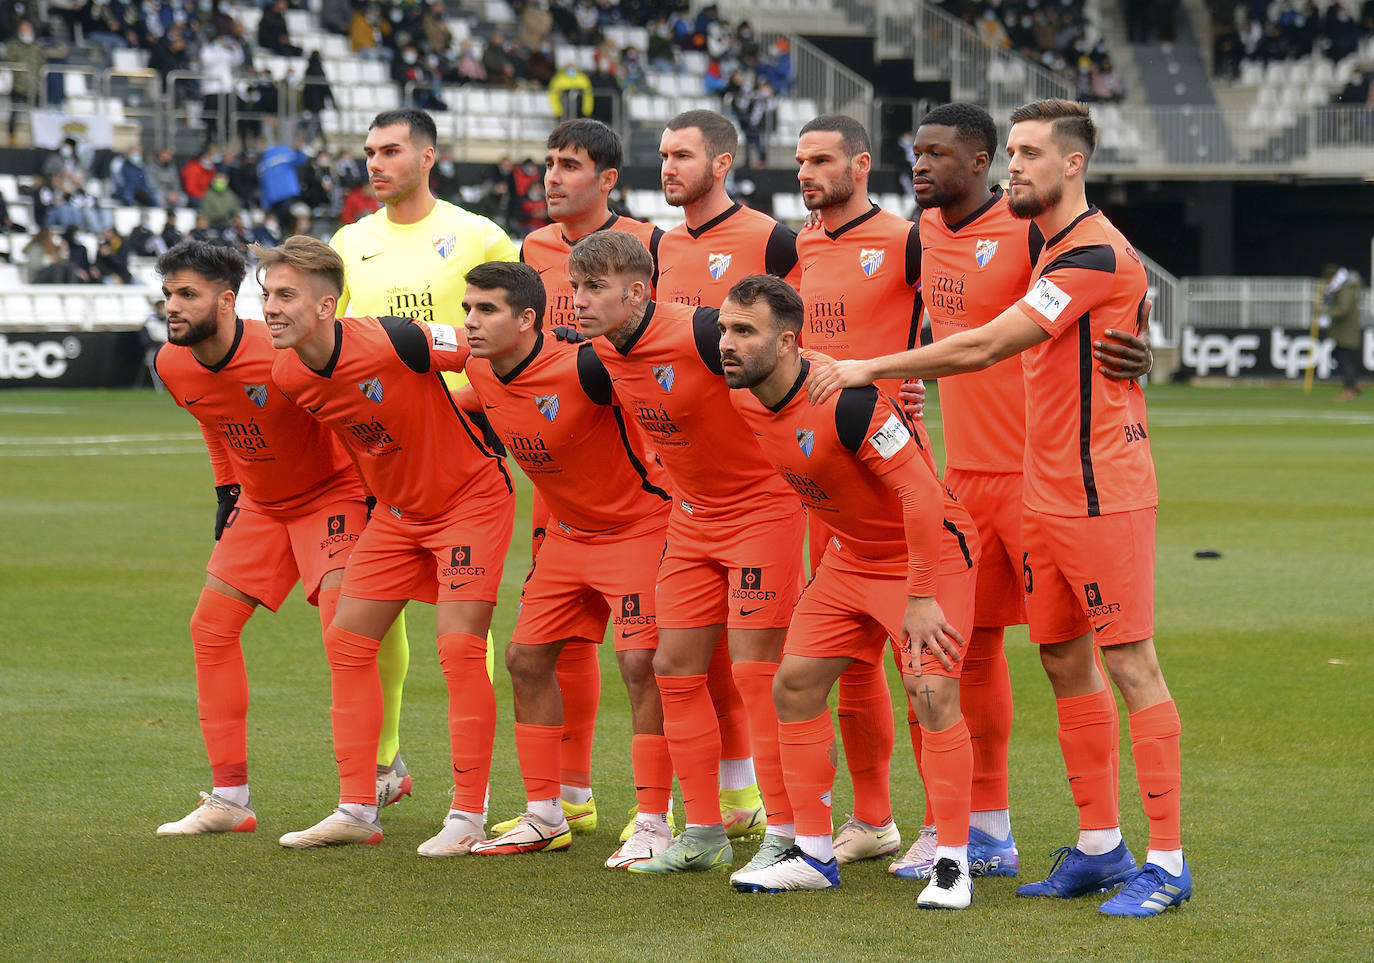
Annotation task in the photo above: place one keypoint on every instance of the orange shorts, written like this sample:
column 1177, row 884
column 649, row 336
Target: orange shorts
column 743, row 572
column 263, row 556
column 848, row 610
column 574, row 587
column 1091, row 572
column 456, row 557
column 994, row 501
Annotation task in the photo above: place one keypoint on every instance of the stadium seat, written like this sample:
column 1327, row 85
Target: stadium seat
column 1251, row 73
column 47, row 308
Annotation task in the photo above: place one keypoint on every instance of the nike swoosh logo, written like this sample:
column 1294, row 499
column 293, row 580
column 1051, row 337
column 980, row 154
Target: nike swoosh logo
column 547, row 270
column 748, row 612
column 1099, row 628
column 337, row 551
column 191, row 401
column 458, row 585
column 808, row 266
column 631, row 635
column 694, row 857
column 315, row 410
column 1074, row 778
column 368, row 257
column 1156, row 795
column 663, row 271
column 469, row 769
column 488, row 407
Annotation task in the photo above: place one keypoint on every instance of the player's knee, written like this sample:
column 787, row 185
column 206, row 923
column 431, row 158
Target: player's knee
column 1133, row 668
column 525, row 663
column 637, row 669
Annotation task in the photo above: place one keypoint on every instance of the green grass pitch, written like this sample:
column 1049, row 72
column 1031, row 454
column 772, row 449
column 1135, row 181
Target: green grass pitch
column 106, row 511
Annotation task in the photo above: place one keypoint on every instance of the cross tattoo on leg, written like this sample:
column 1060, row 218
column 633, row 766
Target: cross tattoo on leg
column 928, row 692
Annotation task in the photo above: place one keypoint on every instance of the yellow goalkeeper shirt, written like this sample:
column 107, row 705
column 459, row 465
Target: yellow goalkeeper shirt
column 416, row 270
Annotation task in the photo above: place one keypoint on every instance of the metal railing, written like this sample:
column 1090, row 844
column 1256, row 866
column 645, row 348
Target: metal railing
column 821, row 78
column 1184, row 141
column 943, row 47
column 1166, row 292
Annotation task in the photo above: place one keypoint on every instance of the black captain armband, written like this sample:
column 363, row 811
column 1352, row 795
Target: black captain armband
column 228, row 497
column 571, row 335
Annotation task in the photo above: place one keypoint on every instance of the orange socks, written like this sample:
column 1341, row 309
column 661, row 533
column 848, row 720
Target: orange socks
column 947, row 765
column 731, row 716
column 538, row 749
column 222, row 684
column 866, row 728
column 755, row 683
column 1155, row 733
column 985, row 697
column 1085, row 737
column 356, row 712
column 653, row 772
column 808, row 762
column 689, row 724
column 579, row 680
column 471, row 717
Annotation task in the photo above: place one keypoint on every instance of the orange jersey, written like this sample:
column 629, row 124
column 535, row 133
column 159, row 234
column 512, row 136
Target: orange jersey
column 855, row 463
column 383, row 395
column 670, row 379
column 285, row 461
column 547, row 249
column 970, row 273
column 861, row 287
column 559, row 419
column 699, row 268
column 1087, row 451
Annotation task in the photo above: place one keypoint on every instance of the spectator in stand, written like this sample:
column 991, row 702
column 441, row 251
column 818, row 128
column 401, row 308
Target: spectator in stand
column 360, row 202
column 348, row 170
column 169, row 54
column 367, row 33
column 414, row 75
column 757, row 112
column 273, row 33
column 1227, row 50
column 80, row 257
column 570, row 93
column 279, row 185
column 319, row 189
column 204, row 232
column 316, row 96
column 1341, row 31
column 219, row 61
column 336, row 16
column 129, row 182
column 142, row 241
column 588, row 17
column 540, row 67
column 534, row 209
column 662, row 51
column 196, row 175
column 444, row 182
column 469, row 63
column 103, row 25
column 266, row 231
column 220, row 204
column 1106, row 83
column 536, row 24
column 112, row 259
column 777, row 67
column 746, row 44
column 26, row 51
column 635, row 75
column 171, row 234
column 1356, row 92
column 46, row 260
column 435, row 29
column 497, row 63
column 164, row 177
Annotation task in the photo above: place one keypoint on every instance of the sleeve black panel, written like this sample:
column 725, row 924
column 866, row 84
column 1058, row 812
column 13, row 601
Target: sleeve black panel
column 410, row 341
column 653, row 252
column 1093, row 257
column 708, row 338
column 853, row 415
column 592, row 375
column 780, row 257
column 1036, row 241
column 913, row 255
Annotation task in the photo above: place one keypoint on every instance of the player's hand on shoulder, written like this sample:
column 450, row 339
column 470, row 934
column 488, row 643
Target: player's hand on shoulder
column 227, row 499
column 1125, row 357
column 569, row 334
column 926, row 627
column 829, row 376
column 913, row 397
column 813, row 221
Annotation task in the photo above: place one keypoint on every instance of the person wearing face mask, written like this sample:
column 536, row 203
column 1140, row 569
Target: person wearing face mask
column 196, row 176
column 218, row 63
column 570, row 93
column 25, row 51
column 129, row 182
column 220, row 203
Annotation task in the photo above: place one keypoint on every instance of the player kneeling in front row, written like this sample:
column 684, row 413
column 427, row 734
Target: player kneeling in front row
column 439, row 534
column 858, row 468
column 290, row 507
column 553, row 407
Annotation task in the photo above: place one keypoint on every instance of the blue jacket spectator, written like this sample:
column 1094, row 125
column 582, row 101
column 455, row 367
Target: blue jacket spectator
column 278, row 182
column 129, row 182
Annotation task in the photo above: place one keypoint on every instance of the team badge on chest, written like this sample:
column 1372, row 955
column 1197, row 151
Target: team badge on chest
column 547, row 405
column 445, row 243
column 870, row 259
column 717, row 264
column 256, row 394
column 806, row 440
column 663, row 374
column 983, row 252
column 371, row 389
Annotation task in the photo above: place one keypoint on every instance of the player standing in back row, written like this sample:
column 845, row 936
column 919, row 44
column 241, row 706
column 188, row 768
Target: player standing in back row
column 1091, row 504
